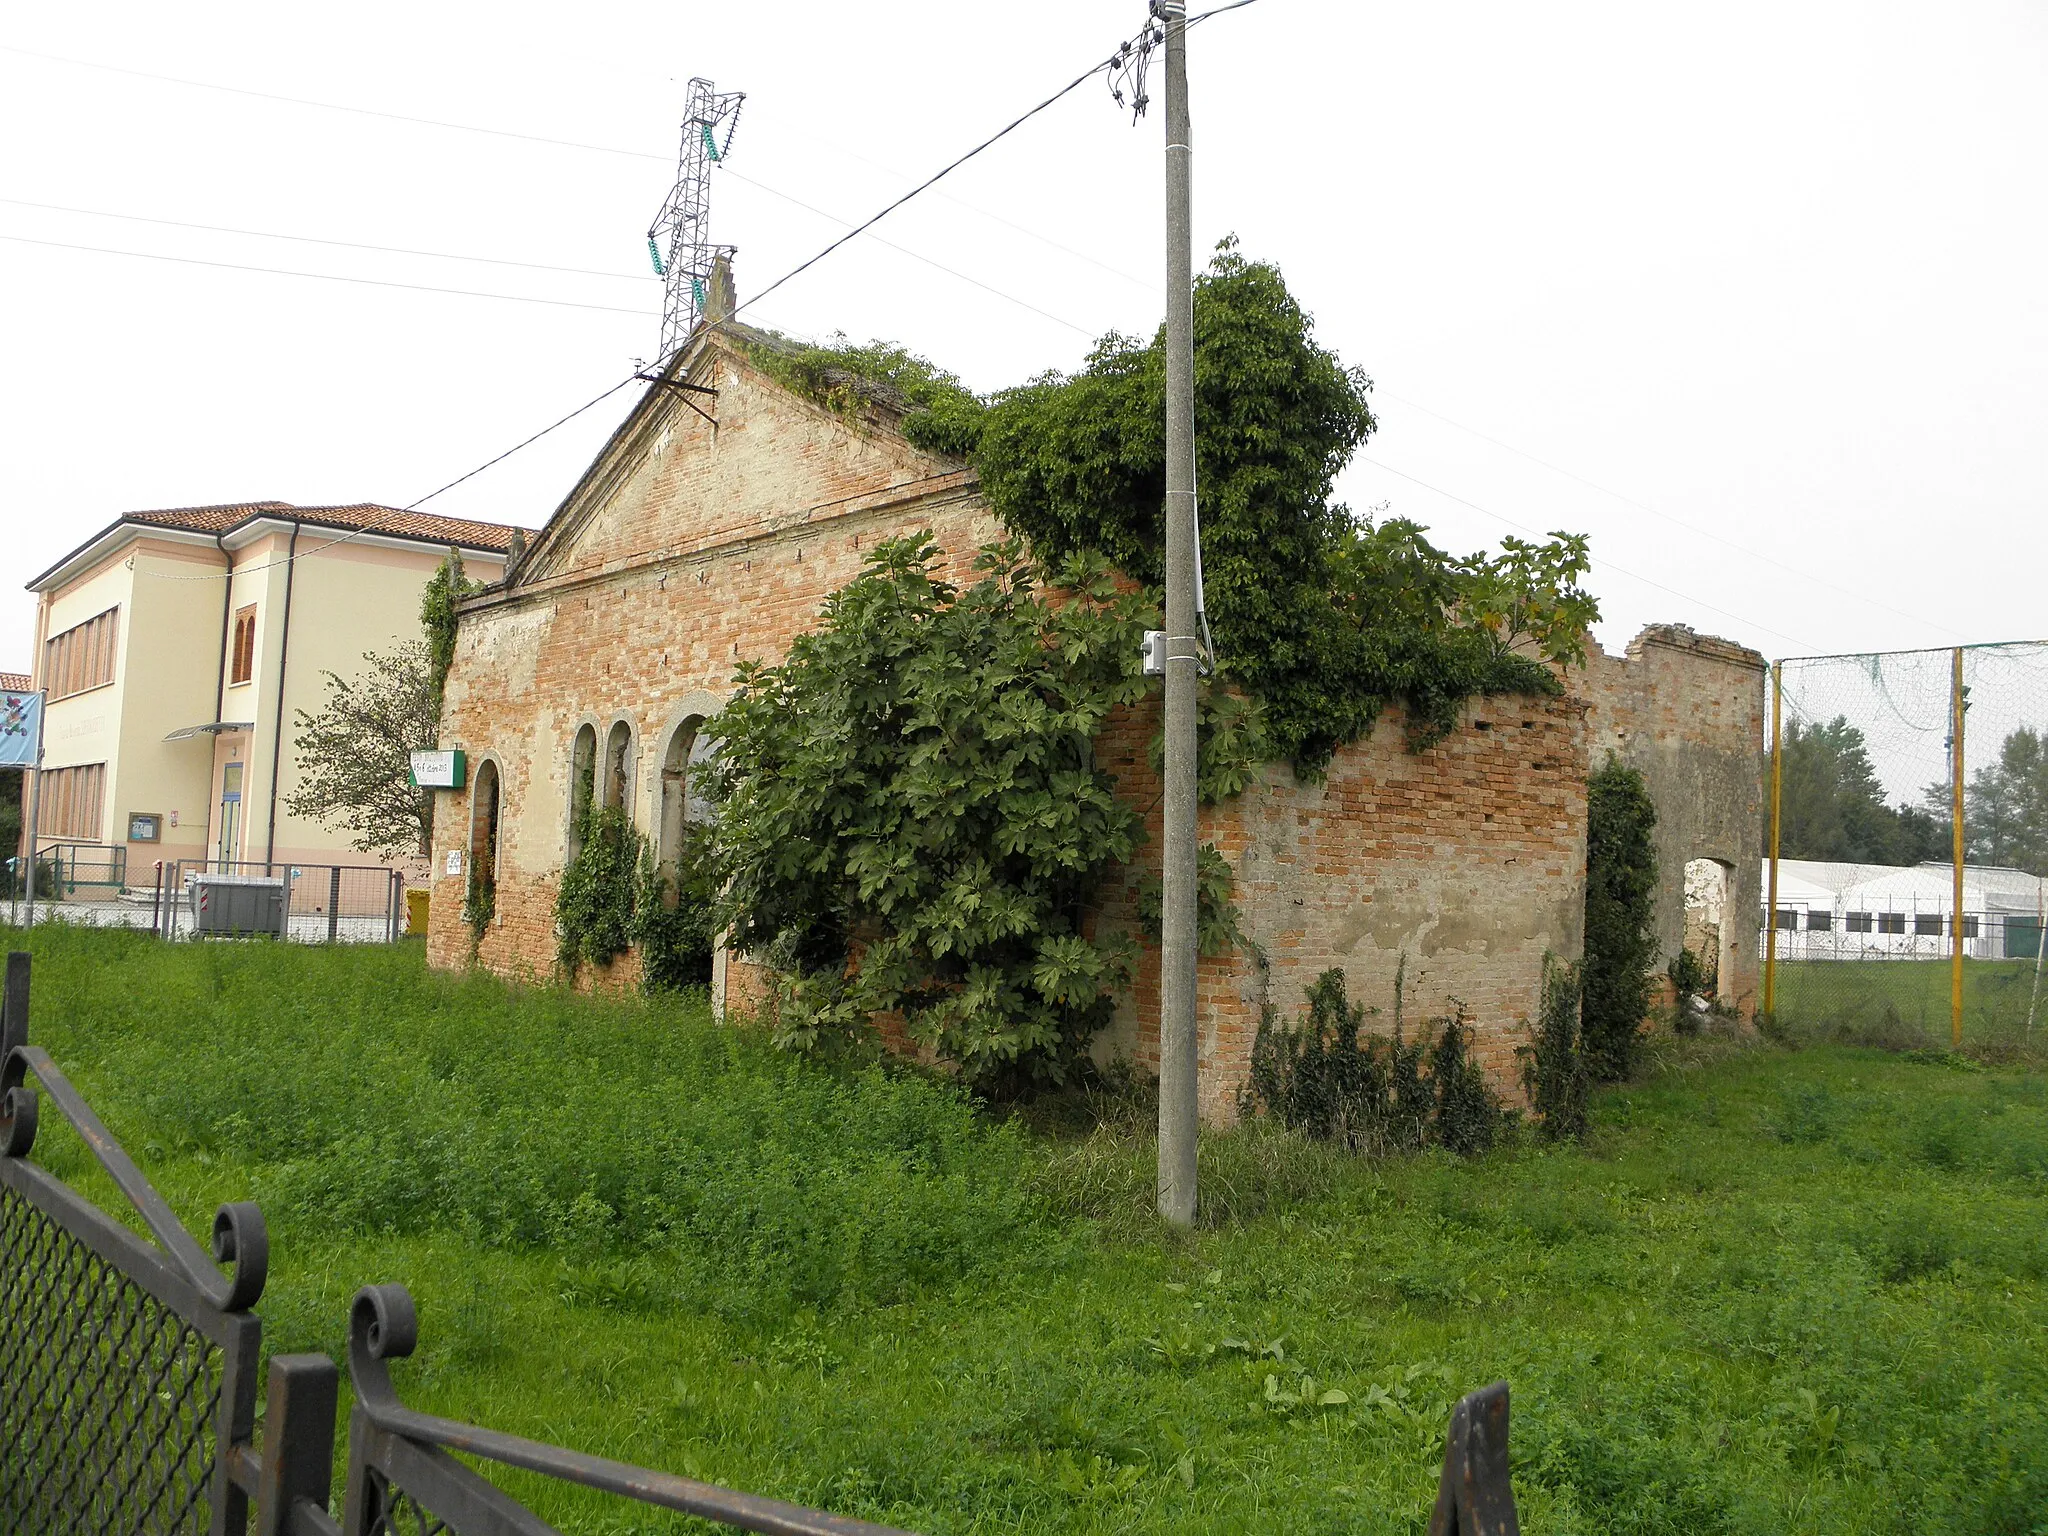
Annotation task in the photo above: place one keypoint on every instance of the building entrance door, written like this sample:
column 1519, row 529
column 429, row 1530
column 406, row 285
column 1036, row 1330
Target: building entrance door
column 230, row 812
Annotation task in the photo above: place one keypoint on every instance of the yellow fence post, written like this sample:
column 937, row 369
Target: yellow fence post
column 1955, row 964
column 1777, row 796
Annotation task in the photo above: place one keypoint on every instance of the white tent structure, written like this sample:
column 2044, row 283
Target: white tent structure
column 1903, row 912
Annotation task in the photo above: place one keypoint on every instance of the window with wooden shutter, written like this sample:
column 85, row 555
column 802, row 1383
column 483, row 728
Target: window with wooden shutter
column 72, row 802
column 83, row 656
column 245, row 646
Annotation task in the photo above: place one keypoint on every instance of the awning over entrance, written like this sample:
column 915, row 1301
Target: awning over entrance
column 217, row 728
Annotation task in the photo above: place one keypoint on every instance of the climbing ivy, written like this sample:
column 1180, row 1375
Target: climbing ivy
column 597, row 901
column 1621, row 940
column 1554, row 1067
column 615, row 895
column 911, row 820
column 1319, row 617
column 672, row 917
column 446, row 587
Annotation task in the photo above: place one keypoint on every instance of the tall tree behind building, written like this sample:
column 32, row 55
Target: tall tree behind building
column 1833, row 805
column 2005, row 806
column 355, row 755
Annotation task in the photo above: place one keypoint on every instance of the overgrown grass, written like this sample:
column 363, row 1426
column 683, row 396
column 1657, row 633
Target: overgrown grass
column 1904, row 1005
column 1776, row 1292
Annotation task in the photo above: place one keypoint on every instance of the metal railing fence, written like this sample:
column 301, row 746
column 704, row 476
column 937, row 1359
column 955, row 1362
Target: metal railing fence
column 306, row 903
column 129, row 1385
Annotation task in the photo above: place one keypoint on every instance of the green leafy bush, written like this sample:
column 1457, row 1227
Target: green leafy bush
column 911, row 818
column 1554, row 1068
column 1319, row 617
column 1621, row 941
column 1467, row 1115
column 1367, row 1092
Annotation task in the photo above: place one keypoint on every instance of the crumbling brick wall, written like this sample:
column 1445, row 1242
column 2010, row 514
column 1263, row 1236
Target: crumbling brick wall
column 1455, row 870
column 689, row 547
column 1687, row 711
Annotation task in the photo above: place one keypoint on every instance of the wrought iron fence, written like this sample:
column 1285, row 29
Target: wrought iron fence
column 129, row 1390
column 127, row 1367
column 307, row 903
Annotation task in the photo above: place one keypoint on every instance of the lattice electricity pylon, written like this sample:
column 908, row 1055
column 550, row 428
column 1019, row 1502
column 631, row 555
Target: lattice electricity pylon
column 684, row 220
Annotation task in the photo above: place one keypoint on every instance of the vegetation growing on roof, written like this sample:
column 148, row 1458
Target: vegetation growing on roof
column 1319, row 616
column 849, row 380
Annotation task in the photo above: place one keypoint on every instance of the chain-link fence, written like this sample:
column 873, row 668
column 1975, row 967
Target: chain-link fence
column 1908, row 844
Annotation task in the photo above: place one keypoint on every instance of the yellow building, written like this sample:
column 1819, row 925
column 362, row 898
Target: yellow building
column 177, row 648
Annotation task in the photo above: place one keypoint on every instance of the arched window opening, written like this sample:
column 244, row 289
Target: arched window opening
column 582, row 780
column 684, row 804
column 618, row 752
column 675, row 797
column 484, row 816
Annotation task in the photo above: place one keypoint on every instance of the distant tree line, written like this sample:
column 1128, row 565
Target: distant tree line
column 1833, row 807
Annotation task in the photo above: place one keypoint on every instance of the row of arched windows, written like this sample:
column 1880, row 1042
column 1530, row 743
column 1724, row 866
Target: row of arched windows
column 606, row 779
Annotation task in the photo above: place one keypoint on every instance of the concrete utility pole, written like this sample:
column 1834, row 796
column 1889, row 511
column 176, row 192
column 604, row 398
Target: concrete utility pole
column 1178, row 1046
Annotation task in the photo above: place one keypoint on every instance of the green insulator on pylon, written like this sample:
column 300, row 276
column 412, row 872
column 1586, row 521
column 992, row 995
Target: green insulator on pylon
column 697, row 291
column 654, row 253
column 710, row 141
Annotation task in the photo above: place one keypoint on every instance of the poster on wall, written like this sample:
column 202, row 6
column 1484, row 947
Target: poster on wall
column 21, row 729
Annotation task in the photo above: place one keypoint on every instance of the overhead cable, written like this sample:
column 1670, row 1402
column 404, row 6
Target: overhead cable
column 327, row 277
column 414, row 505
column 347, row 245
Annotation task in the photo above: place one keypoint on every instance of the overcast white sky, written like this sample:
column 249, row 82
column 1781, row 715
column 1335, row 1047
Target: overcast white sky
column 1771, row 274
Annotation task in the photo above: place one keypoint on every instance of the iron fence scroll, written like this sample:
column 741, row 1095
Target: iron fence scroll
column 127, row 1367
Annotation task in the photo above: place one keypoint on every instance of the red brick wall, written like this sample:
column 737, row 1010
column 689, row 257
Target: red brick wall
column 692, row 548
column 1456, row 868
column 688, row 548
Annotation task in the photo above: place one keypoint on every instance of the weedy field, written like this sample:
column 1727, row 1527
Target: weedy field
column 1904, row 1004
column 1778, row 1291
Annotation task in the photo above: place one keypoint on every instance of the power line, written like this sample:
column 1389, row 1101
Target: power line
column 414, row 505
column 1008, row 128
column 608, row 149
column 326, row 277
column 333, row 106
column 1611, row 565
column 529, row 138
column 350, row 245
column 913, row 255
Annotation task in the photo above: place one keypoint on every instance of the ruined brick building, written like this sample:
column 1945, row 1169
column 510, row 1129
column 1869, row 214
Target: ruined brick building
column 719, row 517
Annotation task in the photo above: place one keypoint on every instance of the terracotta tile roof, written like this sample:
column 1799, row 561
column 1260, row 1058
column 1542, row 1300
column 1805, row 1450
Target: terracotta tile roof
column 15, row 682
column 360, row 516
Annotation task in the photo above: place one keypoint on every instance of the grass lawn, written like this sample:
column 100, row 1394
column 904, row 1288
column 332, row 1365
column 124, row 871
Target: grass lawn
column 1779, row 1291
column 1905, row 1003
